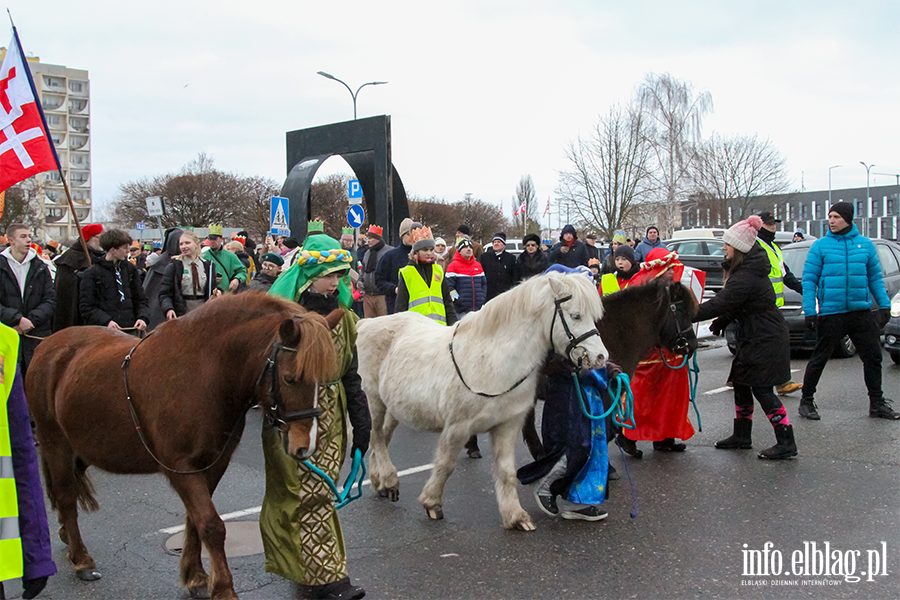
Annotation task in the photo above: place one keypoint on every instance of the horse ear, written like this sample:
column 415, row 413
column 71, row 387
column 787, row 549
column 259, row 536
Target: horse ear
column 289, row 333
column 334, row 317
column 557, row 287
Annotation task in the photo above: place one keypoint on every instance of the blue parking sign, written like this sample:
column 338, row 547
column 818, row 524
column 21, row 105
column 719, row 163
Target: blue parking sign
column 355, row 190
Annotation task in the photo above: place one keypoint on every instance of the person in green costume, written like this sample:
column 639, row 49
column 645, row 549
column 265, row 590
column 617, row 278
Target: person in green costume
column 299, row 523
column 228, row 265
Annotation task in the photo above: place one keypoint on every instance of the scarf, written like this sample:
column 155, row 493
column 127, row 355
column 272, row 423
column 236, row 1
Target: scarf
column 371, row 255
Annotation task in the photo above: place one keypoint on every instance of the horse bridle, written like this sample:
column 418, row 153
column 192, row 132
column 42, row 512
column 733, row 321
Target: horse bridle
column 573, row 341
column 682, row 344
column 277, row 415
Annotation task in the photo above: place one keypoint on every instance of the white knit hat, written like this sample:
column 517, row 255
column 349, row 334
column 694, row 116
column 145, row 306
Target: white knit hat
column 742, row 235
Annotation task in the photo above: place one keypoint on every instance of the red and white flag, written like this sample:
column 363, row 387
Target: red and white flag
column 546, row 210
column 25, row 147
column 501, row 208
column 520, row 210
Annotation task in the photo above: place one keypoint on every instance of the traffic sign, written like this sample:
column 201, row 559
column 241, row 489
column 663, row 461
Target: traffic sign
column 355, row 216
column 140, row 226
column 279, row 216
column 354, row 191
column 155, row 206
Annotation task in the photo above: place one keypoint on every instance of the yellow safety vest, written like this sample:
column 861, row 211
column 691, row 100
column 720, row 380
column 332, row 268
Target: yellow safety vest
column 776, row 275
column 423, row 299
column 11, row 561
column 609, row 284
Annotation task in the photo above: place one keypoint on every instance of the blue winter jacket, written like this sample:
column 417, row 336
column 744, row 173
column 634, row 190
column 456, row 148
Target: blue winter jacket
column 840, row 271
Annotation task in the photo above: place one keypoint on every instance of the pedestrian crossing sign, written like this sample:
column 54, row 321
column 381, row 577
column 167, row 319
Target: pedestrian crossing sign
column 280, row 225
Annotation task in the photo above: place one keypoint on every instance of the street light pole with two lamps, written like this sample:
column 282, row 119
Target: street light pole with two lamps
column 352, row 93
column 829, row 185
column 868, row 168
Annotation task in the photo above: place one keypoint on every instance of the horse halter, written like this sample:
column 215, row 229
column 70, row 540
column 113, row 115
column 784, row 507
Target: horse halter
column 277, row 416
column 573, row 341
column 683, row 335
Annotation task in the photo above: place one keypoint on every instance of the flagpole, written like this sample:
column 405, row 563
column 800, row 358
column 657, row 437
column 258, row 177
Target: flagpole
column 59, row 169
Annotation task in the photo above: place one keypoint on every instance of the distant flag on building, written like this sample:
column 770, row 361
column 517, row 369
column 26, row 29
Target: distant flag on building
column 501, row 208
column 25, row 145
column 546, row 210
column 520, row 210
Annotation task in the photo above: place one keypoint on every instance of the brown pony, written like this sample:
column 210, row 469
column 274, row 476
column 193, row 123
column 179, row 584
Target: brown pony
column 177, row 406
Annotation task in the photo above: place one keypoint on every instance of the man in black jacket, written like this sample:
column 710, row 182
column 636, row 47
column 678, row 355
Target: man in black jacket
column 69, row 267
column 27, row 297
column 499, row 266
column 111, row 293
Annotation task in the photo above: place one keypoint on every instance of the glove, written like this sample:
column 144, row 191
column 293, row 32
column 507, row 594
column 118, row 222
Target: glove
column 883, row 316
column 812, row 322
column 612, row 370
column 717, row 327
column 361, row 442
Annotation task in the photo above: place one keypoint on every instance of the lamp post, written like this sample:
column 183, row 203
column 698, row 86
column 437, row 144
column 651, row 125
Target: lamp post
column 829, row 184
column 352, row 93
column 868, row 169
column 897, row 175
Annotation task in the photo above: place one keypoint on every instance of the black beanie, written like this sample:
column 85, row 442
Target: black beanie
column 463, row 229
column 652, row 227
column 625, row 251
column 845, row 209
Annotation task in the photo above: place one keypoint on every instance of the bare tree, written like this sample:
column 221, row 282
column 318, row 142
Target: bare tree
column 21, row 204
column 527, row 220
column 482, row 218
column 199, row 195
column 674, row 116
column 608, row 176
column 442, row 217
column 732, row 171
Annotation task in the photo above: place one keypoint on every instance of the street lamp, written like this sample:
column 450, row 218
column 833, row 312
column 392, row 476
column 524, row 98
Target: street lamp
column 352, row 93
column 829, row 184
column 868, row 168
column 897, row 175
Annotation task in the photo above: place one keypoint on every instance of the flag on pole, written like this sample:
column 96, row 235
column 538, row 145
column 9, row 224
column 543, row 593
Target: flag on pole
column 25, row 145
column 546, row 210
column 501, row 208
column 520, row 210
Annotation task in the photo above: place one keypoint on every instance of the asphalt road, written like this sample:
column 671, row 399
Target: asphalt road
column 699, row 515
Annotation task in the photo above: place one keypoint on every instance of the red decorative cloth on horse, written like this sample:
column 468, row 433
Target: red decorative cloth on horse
column 661, row 394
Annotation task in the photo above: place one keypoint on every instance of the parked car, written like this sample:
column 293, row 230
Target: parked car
column 704, row 253
column 892, row 331
column 698, row 232
column 795, row 258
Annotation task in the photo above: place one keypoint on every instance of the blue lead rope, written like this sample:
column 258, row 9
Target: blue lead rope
column 357, row 475
column 622, row 416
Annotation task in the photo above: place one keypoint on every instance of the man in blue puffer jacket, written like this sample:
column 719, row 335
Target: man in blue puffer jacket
column 840, row 271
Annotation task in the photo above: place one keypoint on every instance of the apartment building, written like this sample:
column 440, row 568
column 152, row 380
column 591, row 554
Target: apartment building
column 65, row 96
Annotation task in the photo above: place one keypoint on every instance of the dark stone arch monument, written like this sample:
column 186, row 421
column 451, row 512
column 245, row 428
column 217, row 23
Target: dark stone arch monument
column 366, row 146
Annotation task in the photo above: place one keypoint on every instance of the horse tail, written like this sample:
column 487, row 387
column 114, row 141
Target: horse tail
column 84, row 488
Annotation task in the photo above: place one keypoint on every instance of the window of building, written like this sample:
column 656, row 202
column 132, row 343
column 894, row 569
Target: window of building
column 76, row 87
column 891, row 206
column 51, row 102
column 77, row 105
column 53, row 82
column 874, row 207
column 804, row 212
column 53, row 119
column 860, row 208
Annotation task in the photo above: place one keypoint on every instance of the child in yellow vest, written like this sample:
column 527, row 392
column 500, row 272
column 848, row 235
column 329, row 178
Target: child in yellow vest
column 422, row 287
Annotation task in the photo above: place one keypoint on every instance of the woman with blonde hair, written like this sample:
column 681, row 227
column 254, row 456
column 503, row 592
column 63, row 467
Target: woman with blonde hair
column 188, row 280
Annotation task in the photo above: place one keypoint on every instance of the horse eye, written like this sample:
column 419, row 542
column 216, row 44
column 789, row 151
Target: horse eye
column 289, row 380
column 576, row 316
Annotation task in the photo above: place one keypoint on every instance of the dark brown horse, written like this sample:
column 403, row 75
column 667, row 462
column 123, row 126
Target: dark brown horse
column 658, row 313
column 190, row 385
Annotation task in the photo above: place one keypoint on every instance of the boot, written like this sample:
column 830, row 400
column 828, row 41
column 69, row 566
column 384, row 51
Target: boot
column 628, row 446
column 881, row 409
column 472, row 447
column 338, row 590
column 808, row 409
column 740, row 439
column 669, row 445
column 785, row 446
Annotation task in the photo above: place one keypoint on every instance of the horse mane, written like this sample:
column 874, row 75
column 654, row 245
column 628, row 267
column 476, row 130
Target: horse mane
column 653, row 289
column 522, row 303
column 253, row 318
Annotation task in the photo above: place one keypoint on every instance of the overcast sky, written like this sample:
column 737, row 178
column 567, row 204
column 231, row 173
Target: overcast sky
column 479, row 92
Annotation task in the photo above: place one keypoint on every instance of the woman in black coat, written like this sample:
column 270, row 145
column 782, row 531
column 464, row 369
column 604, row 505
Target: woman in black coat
column 532, row 261
column 762, row 358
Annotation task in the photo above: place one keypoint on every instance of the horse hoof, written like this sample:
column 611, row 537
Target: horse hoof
column 526, row 526
column 88, row 574
column 435, row 514
column 199, row 592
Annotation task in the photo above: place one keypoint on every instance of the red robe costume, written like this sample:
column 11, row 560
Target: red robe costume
column 661, row 394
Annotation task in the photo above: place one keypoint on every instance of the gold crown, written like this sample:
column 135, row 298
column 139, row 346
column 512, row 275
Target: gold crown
column 423, row 233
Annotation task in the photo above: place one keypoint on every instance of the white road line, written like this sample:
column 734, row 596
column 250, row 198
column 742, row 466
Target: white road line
column 256, row 509
column 717, row 391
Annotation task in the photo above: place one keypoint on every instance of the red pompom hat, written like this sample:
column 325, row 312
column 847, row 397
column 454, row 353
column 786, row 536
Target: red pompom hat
column 90, row 230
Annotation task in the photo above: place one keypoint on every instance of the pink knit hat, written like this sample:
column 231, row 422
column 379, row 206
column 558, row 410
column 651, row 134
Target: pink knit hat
column 742, row 235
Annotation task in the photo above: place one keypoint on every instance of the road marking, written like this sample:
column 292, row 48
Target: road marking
column 717, row 391
column 256, row 509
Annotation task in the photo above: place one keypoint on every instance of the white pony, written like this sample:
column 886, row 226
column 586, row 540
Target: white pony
column 475, row 377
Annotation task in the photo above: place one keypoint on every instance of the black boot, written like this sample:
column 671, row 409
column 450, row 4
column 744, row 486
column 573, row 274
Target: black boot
column 808, row 409
column 628, row 446
column 472, row 447
column 881, row 409
column 785, row 446
column 740, row 439
column 669, row 445
column 338, row 590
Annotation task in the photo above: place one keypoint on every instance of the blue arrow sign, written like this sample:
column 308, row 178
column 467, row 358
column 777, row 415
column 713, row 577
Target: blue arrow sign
column 139, row 226
column 356, row 215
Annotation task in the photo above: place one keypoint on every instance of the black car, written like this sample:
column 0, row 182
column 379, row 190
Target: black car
column 705, row 254
column 795, row 258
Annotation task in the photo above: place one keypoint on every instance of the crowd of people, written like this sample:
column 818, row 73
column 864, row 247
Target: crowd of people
column 128, row 287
